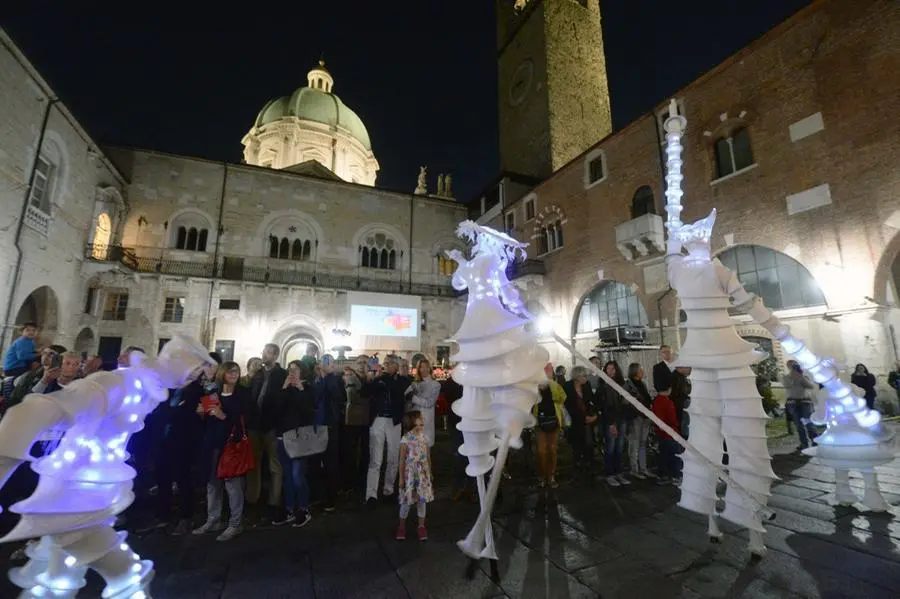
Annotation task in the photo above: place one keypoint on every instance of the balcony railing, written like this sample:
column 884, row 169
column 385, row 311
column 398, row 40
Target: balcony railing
column 181, row 263
column 525, row 268
column 641, row 238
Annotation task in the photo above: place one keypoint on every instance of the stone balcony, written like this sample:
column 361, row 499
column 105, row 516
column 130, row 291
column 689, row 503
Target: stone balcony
column 642, row 239
column 255, row 269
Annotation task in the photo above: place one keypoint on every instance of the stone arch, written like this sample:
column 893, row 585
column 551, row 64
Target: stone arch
column 296, row 329
column 547, row 232
column 606, row 310
column 40, row 306
column 183, row 220
column 279, row 222
column 85, row 341
column 884, row 276
column 751, row 262
column 395, row 247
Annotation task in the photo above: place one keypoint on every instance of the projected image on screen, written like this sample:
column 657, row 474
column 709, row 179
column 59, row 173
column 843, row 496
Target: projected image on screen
column 381, row 321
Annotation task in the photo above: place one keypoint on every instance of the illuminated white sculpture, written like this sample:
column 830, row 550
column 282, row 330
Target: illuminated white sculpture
column 855, row 438
column 85, row 482
column 725, row 405
column 499, row 365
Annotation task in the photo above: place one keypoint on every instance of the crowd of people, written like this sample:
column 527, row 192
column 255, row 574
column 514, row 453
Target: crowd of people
column 276, row 439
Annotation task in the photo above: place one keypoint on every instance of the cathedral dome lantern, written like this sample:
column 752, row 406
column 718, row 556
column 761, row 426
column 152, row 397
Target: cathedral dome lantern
column 320, row 78
column 310, row 129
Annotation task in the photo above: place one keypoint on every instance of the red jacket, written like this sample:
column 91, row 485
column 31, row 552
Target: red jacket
column 664, row 408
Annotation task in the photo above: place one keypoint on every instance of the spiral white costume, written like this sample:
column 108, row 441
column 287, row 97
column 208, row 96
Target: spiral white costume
column 499, row 364
column 85, row 482
column 724, row 402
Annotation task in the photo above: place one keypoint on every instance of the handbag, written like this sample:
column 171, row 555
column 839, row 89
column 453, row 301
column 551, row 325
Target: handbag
column 305, row 441
column 237, row 456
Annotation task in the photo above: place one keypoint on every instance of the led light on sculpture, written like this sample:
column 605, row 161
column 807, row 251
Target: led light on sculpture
column 84, row 483
column 498, row 364
column 725, row 405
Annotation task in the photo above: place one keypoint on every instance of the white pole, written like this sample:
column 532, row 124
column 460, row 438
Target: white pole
column 722, row 472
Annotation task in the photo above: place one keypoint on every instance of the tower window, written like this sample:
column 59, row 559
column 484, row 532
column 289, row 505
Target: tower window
column 642, row 203
column 733, row 153
column 379, row 251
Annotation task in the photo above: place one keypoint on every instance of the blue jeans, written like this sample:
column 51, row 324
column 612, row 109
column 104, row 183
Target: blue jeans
column 801, row 411
column 612, row 456
column 296, row 489
column 669, row 462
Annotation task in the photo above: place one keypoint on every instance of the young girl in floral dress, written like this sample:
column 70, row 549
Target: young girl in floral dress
column 415, row 473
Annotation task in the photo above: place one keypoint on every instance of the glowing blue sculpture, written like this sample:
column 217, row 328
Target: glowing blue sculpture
column 85, row 483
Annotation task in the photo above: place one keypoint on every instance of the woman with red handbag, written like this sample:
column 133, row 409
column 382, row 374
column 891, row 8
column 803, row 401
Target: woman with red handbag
column 227, row 454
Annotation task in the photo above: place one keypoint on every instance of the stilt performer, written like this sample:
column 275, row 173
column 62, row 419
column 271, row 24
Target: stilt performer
column 499, row 364
column 85, row 482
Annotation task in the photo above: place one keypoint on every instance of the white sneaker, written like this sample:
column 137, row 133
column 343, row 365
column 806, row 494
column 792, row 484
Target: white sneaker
column 214, row 526
column 612, row 481
column 622, row 480
column 637, row 474
column 230, row 533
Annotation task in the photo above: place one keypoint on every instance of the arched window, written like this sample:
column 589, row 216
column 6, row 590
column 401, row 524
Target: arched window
column 379, row 251
column 543, row 247
column 307, row 249
column 609, row 304
column 181, row 238
column 190, row 231
column 273, row 246
column 297, row 250
column 102, row 232
column 191, row 239
column 642, row 203
column 284, row 249
column 781, row 282
column 446, row 266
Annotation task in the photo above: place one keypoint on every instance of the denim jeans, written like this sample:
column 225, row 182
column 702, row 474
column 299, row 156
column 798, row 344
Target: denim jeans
column 296, row 489
column 612, row 458
column 801, row 411
column 669, row 462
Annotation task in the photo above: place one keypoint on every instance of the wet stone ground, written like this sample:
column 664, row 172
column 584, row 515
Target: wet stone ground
column 586, row 541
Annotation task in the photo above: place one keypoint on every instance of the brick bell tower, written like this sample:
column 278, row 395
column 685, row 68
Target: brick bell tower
column 553, row 93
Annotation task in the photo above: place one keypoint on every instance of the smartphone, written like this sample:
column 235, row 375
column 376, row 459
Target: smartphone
column 56, row 360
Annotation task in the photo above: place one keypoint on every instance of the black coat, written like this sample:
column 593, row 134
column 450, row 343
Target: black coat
column 261, row 416
column 217, row 432
column 294, row 408
column 589, row 406
column 393, row 387
column 662, row 377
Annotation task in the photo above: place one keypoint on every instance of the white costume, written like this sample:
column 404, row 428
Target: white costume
column 499, row 364
column 85, row 482
column 725, row 405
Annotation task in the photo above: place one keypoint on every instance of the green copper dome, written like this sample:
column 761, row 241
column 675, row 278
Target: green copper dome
column 318, row 106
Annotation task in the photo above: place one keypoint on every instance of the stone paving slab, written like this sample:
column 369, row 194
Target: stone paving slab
column 580, row 541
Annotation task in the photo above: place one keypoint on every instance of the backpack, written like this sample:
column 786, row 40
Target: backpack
column 546, row 415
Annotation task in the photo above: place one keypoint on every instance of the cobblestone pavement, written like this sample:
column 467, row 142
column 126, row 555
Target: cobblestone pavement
column 587, row 541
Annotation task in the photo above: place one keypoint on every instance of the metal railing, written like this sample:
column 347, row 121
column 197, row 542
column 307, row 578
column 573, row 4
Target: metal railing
column 252, row 269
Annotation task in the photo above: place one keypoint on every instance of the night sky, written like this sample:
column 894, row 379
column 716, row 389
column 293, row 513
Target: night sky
column 190, row 77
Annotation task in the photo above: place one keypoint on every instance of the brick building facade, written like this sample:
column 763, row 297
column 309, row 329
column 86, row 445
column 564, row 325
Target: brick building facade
column 795, row 140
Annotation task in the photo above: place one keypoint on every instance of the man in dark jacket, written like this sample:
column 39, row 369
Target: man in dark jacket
column 662, row 371
column 331, row 395
column 180, row 430
column 387, row 393
column 261, row 425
